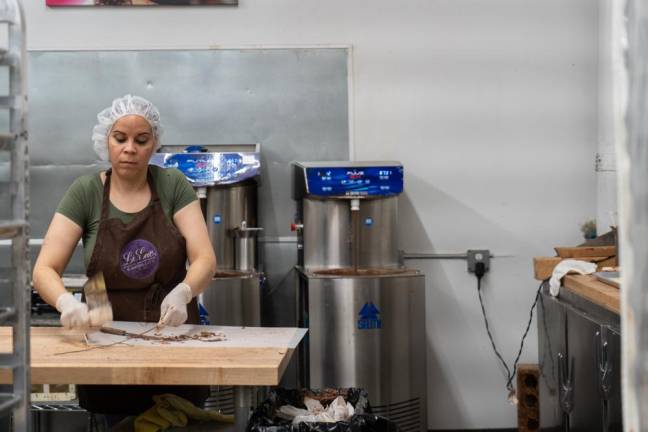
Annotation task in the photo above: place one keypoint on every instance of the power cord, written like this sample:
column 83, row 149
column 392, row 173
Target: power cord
column 480, row 270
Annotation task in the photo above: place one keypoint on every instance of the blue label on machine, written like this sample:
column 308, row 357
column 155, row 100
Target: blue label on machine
column 217, row 219
column 208, row 169
column 369, row 317
column 368, row 221
column 204, row 315
column 360, row 181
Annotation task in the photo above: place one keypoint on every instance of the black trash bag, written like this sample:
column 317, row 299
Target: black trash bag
column 264, row 418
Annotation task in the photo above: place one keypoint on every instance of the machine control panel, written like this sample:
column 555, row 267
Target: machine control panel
column 210, row 168
column 353, row 180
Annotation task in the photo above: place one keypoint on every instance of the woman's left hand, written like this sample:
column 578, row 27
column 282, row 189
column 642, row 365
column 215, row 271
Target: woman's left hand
column 173, row 310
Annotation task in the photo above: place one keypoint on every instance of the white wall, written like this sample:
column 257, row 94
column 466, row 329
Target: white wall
column 490, row 105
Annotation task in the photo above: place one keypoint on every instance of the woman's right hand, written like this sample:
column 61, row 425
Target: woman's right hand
column 74, row 314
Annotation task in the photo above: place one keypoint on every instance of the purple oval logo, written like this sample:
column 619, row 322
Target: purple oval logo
column 139, row 259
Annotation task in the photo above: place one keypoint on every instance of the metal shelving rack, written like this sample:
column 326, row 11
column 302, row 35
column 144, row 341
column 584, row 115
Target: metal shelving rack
column 16, row 228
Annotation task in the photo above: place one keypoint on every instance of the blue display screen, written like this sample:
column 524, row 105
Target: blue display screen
column 206, row 169
column 358, row 181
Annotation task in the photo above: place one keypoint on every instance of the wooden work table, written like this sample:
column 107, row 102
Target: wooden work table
column 243, row 368
column 588, row 287
column 165, row 364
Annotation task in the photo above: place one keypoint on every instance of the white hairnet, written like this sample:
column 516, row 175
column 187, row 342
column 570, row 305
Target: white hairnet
column 123, row 106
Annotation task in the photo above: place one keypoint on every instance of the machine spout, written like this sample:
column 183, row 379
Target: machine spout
column 245, row 246
column 355, row 204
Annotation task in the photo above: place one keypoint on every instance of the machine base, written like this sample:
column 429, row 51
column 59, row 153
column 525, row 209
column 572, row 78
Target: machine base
column 368, row 332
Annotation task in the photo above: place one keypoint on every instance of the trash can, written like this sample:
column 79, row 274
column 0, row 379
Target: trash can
column 268, row 417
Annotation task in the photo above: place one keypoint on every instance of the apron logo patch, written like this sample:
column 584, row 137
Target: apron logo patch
column 139, row 259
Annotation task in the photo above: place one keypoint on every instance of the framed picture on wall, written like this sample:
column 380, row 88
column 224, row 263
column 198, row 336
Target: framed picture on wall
column 55, row 3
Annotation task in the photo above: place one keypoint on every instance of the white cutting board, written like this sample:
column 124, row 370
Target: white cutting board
column 235, row 337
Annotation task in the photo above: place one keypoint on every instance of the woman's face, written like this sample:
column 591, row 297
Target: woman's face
column 130, row 145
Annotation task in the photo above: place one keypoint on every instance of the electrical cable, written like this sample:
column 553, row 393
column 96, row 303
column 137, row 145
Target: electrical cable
column 526, row 332
column 490, row 336
column 480, row 270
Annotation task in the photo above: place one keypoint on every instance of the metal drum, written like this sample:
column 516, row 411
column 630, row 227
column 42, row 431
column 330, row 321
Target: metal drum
column 233, row 298
column 225, row 177
column 365, row 314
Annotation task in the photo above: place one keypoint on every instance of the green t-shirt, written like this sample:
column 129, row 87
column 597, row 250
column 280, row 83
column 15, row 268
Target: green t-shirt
column 82, row 202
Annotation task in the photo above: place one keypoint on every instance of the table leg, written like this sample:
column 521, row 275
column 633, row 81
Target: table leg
column 242, row 407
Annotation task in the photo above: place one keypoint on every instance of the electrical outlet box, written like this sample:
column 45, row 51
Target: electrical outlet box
column 478, row 255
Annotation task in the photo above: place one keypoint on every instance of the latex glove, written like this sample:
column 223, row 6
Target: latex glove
column 74, row 314
column 100, row 315
column 173, row 310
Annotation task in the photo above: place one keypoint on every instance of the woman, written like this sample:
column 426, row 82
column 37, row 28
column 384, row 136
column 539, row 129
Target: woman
column 139, row 225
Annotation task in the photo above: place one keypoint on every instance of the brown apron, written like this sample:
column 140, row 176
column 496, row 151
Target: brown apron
column 142, row 261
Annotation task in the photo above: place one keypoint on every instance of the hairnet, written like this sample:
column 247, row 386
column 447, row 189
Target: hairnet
column 123, row 106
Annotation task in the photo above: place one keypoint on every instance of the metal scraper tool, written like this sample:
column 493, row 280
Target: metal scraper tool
column 99, row 307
